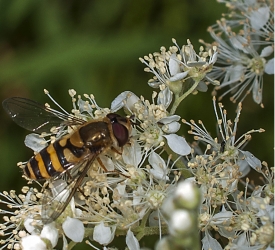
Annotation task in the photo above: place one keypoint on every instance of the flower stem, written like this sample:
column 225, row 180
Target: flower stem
column 71, row 245
column 178, row 100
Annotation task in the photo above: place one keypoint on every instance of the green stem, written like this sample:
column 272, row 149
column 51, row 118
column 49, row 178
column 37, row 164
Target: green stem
column 141, row 228
column 71, row 245
column 178, row 100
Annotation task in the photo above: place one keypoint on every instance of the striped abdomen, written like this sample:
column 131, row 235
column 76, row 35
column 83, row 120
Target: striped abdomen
column 54, row 159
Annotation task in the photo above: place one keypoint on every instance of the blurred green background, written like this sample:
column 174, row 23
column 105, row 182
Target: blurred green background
column 93, row 47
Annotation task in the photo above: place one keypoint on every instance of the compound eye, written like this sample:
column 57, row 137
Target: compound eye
column 121, row 133
column 120, row 128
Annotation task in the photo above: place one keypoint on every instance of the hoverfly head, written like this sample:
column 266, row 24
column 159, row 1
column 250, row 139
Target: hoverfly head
column 121, row 127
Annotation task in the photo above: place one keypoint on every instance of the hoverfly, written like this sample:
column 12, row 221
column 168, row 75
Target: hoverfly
column 74, row 151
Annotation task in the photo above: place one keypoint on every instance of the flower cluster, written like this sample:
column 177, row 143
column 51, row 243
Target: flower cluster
column 218, row 171
column 245, row 42
column 180, row 71
column 115, row 201
column 156, row 183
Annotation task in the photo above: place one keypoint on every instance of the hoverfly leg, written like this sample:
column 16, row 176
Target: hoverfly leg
column 116, row 151
column 102, row 165
column 110, row 171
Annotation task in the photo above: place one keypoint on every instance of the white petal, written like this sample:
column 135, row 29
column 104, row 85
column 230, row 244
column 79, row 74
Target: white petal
column 221, row 217
column 160, row 175
column 178, row 144
column 33, row 242
column 180, row 222
column 107, row 162
column 65, row 243
column 242, row 241
column 50, row 232
column 131, row 154
column 171, row 128
column 235, row 72
column 131, row 100
column 202, row 87
column 269, row 67
column 259, row 17
column 35, row 142
column 238, row 42
column 253, row 161
column 74, row 229
column 154, row 84
column 174, row 66
column 165, row 97
column 154, row 219
column 28, row 224
column 168, row 119
column 102, row 234
column 186, row 191
column 210, row 243
column 266, row 51
column 257, row 91
column 179, row 76
column 157, row 162
column 118, row 102
column 159, row 170
column 131, row 241
column 244, row 167
column 168, row 206
column 121, row 188
column 83, row 106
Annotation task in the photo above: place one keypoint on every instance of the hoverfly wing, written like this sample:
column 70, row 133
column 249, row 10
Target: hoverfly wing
column 34, row 116
column 54, row 204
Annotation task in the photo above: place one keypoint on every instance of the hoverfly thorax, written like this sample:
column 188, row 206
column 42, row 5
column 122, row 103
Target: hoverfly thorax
column 96, row 136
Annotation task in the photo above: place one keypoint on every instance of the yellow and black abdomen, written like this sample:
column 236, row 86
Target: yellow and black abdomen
column 54, row 159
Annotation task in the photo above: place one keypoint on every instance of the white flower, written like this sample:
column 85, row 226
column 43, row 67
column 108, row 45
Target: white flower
column 173, row 67
column 73, row 229
column 132, row 155
column 180, row 222
column 170, row 124
column 33, row 242
column 208, row 242
column 51, row 233
column 165, row 66
column 102, row 234
column 178, row 144
column 35, row 142
column 22, row 209
column 245, row 44
column 230, row 147
column 29, row 225
column 269, row 67
column 159, row 170
column 150, row 117
column 131, row 241
column 186, row 195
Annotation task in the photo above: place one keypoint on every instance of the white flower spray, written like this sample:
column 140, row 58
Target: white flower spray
column 194, row 194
